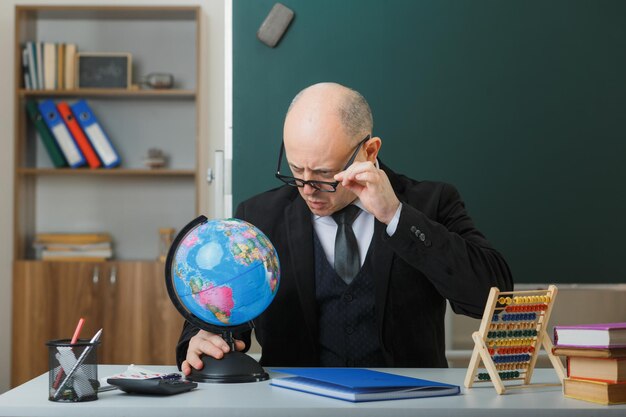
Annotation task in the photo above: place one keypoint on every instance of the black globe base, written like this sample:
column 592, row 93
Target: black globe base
column 234, row 367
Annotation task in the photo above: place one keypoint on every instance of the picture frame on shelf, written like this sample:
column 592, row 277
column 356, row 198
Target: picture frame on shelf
column 103, row 70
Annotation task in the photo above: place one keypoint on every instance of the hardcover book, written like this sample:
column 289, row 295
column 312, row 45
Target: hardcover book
column 595, row 391
column 598, row 369
column 590, row 352
column 605, row 335
column 356, row 385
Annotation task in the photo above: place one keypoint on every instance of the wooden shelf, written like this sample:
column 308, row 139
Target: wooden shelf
column 109, row 92
column 107, row 172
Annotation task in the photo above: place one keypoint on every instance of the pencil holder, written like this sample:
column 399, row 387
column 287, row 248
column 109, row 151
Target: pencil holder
column 73, row 370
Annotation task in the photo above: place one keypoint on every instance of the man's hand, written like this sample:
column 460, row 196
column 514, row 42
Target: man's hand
column 373, row 188
column 206, row 343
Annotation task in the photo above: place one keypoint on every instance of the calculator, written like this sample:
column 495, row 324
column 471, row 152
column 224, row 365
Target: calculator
column 153, row 386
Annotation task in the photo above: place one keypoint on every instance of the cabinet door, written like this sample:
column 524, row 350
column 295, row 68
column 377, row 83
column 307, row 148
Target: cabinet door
column 48, row 300
column 141, row 324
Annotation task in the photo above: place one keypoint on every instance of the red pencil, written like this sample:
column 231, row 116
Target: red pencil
column 79, row 326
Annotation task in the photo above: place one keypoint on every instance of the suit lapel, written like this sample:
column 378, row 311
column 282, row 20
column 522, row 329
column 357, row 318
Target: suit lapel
column 300, row 243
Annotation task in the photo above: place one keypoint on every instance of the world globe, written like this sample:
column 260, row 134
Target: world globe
column 225, row 272
column 220, row 275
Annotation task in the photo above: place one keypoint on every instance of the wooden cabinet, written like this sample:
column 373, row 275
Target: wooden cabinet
column 142, row 325
column 126, row 299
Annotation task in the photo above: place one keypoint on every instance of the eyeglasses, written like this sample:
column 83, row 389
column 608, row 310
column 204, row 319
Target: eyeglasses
column 324, row 186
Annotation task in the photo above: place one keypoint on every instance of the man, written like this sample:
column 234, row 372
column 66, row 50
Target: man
column 383, row 303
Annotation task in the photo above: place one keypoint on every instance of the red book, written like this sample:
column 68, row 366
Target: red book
column 78, row 134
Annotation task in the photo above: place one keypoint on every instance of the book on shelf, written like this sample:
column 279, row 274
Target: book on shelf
column 70, row 65
column 49, row 66
column 73, row 246
column 602, row 335
column 56, row 156
column 72, row 238
column 595, row 391
column 60, row 73
column 25, row 70
column 590, row 352
column 40, row 64
column 356, row 385
column 48, row 255
column 31, row 57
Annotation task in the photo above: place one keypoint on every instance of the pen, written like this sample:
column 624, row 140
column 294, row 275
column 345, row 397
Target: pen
column 79, row 326
column 80, row 360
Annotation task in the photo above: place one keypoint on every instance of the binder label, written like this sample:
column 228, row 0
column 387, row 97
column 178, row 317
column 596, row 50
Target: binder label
column 102, row 145
column 67, row 144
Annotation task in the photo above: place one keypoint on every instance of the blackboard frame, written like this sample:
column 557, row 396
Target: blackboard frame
column 117, row 62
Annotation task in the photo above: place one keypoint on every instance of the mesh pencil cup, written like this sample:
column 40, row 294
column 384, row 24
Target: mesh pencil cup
column 73, row 370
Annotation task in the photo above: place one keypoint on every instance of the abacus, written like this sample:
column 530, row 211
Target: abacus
column 511, row 333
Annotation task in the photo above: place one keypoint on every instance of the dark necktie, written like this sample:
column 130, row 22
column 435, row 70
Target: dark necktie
column 347, row 262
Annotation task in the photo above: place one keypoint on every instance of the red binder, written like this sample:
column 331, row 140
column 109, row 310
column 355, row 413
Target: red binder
column 78, row 134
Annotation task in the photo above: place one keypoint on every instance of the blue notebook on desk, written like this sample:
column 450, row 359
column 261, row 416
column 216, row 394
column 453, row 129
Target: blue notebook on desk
column 356, row 385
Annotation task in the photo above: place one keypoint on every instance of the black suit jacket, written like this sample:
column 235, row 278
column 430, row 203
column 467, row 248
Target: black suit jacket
column 435, row 254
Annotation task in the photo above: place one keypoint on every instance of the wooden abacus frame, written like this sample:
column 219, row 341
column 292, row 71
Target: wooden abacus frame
column 512, row 331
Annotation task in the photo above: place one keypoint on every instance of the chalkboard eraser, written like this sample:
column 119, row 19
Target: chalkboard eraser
column 275, row 24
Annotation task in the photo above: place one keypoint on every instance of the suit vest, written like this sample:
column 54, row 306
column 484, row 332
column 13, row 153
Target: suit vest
column 347, row 318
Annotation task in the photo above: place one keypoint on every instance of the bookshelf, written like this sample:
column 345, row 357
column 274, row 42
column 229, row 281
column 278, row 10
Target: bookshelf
column 131, row 202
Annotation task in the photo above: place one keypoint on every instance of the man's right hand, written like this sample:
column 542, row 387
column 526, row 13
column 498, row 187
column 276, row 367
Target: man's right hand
column 206, row 343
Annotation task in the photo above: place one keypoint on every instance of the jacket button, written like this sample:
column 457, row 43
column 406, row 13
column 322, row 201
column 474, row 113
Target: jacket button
column 349, row 330
column 428, row 243
column 347, row 298
column 422, row 237
column 413, row 229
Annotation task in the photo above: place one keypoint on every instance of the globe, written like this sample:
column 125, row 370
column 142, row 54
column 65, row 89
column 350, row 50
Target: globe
column 225, row 272
column 220, row 275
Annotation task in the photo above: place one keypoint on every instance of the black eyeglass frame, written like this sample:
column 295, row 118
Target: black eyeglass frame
column 298, row 182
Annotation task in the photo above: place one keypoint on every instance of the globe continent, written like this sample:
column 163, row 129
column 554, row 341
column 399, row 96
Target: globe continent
column 226, row 272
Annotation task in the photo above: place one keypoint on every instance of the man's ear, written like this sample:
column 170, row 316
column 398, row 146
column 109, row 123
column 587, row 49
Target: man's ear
column 372, row 147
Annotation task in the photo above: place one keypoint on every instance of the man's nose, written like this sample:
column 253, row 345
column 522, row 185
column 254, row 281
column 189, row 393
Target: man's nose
column 308, row 190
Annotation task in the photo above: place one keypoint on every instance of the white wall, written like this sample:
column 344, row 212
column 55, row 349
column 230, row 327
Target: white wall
column 212, row 124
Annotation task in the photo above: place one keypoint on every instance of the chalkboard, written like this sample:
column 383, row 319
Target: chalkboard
column 520, row 104
column 103, row 70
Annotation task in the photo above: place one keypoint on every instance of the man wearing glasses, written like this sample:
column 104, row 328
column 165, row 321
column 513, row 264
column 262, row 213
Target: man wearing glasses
column 368, row 256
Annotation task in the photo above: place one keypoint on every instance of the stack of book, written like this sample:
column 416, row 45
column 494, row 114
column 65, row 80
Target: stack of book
column 596, row 361
column 73, row 246
column 49, row 66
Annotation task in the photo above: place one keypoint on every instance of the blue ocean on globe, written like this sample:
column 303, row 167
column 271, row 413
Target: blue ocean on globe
column 226, row 272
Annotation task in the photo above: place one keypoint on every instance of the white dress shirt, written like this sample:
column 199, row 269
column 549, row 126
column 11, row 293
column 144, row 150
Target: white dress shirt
column 363, row 227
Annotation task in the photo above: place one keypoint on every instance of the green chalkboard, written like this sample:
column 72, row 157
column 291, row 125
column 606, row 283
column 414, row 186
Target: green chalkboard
column 521, row 104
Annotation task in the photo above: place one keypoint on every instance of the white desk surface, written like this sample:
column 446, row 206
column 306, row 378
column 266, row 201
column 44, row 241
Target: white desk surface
column 261, row 399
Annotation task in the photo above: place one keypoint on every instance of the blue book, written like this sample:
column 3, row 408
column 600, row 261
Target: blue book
column 92, row 128
column 61, row 134
column 356, row 385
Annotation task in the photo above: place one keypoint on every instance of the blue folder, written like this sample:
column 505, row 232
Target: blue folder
column 92, row 128
column 354, row 384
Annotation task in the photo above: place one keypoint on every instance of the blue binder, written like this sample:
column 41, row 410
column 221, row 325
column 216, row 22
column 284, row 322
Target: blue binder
column 99, row 140
column 61, row 134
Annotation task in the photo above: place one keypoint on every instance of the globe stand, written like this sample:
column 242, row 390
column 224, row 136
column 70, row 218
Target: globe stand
column 234, row 367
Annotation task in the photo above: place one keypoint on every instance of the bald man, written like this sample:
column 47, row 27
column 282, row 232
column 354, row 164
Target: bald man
column 417, row 248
